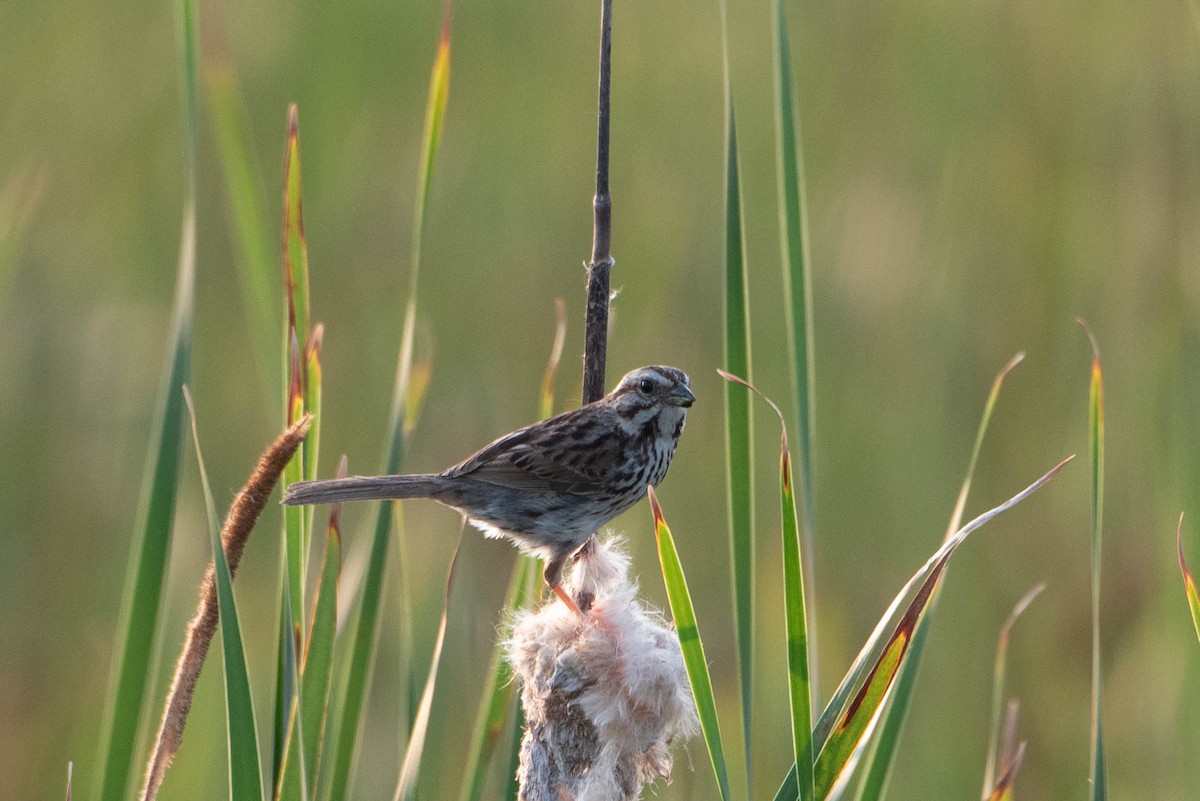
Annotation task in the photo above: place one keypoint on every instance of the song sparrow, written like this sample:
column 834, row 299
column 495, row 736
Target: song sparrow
column 549, row 486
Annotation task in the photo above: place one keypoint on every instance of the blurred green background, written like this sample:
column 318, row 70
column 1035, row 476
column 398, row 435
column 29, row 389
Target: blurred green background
column 978, row 175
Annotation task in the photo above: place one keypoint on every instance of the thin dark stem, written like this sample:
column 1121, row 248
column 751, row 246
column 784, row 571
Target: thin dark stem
column 596, row 328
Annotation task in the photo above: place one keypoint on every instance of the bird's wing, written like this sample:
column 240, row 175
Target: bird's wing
column 533, row 459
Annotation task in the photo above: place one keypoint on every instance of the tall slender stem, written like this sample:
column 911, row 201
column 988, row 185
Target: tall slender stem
column 596, row 328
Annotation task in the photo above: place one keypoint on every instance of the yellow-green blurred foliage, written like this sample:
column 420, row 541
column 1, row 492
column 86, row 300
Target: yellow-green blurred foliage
column 978, row 175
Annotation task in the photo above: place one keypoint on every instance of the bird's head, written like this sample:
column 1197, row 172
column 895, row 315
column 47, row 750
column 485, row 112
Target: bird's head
column 654, row 393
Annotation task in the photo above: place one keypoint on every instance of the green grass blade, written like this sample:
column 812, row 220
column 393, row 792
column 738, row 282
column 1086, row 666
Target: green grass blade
column 797, row 291
column 366, row 631
column 245, row 777
column 288, row 786
column 295, row 247
column 998, row 670
column 496, row 705
column 291, row 609
column 794, row 609
column 152, row 533
column 406, row 785
column 844, row 721
column 1189, row 583
column 684, row 616
column 317, row 666
column 877, row 764
column 245, row 204
column 739, row 480
column 797, row 630
column 1099, row 770
column 296, row 520
column 296, row 350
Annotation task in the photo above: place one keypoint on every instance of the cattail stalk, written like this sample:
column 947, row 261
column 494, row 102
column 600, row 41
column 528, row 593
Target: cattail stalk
column 247, row 507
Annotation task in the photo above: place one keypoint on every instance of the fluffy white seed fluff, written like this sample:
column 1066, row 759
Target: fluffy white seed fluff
column 605, row 697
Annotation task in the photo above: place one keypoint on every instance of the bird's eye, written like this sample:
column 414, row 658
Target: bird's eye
column 646, row 386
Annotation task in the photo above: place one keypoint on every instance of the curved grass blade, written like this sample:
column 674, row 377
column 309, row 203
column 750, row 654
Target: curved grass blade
column 846, row 719
column 794, row 609
column 1189, row 583
column 797, row 293
column 366, row 631
column 684, row 616
column 406, row 785
column 498, row 700
column 994, row 743
column 877, row 764
column 244, row 201
column 245, row 777
column 1099, row 769
column 152, row 534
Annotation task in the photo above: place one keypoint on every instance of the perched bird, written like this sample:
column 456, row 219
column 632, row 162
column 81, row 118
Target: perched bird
column 549, row 486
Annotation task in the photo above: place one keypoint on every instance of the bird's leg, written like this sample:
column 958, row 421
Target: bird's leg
column 566, row 599
column 553, row 575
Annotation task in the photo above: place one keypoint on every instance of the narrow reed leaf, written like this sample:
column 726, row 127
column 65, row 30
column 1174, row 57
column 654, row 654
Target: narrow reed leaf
column 684, row 616
column 994, row 756
column 1189, row 583
column 366, row 629
column 245, row 203
column 499, row 694
column 317, row 666
column 878, row 761
column 287, row 782
column 853, row 723
column 435, row 118
column 406, row 785
column 245, row 777
column 873, row 670
column 295, row 247
column 295, row 541
column 739, row 479
column 794, row 609
column 150, row 545
column 286, row 676
column 312, row 404
column 1099, row 769
column 797, row 289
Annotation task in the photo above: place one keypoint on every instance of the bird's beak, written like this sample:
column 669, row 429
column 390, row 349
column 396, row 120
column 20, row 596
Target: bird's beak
column 681, row 396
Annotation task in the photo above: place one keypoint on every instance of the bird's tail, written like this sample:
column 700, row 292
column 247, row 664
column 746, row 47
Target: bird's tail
column 360, row 488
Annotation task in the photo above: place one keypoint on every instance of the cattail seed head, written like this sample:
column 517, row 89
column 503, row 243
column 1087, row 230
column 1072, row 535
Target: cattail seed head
column 605, row 697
